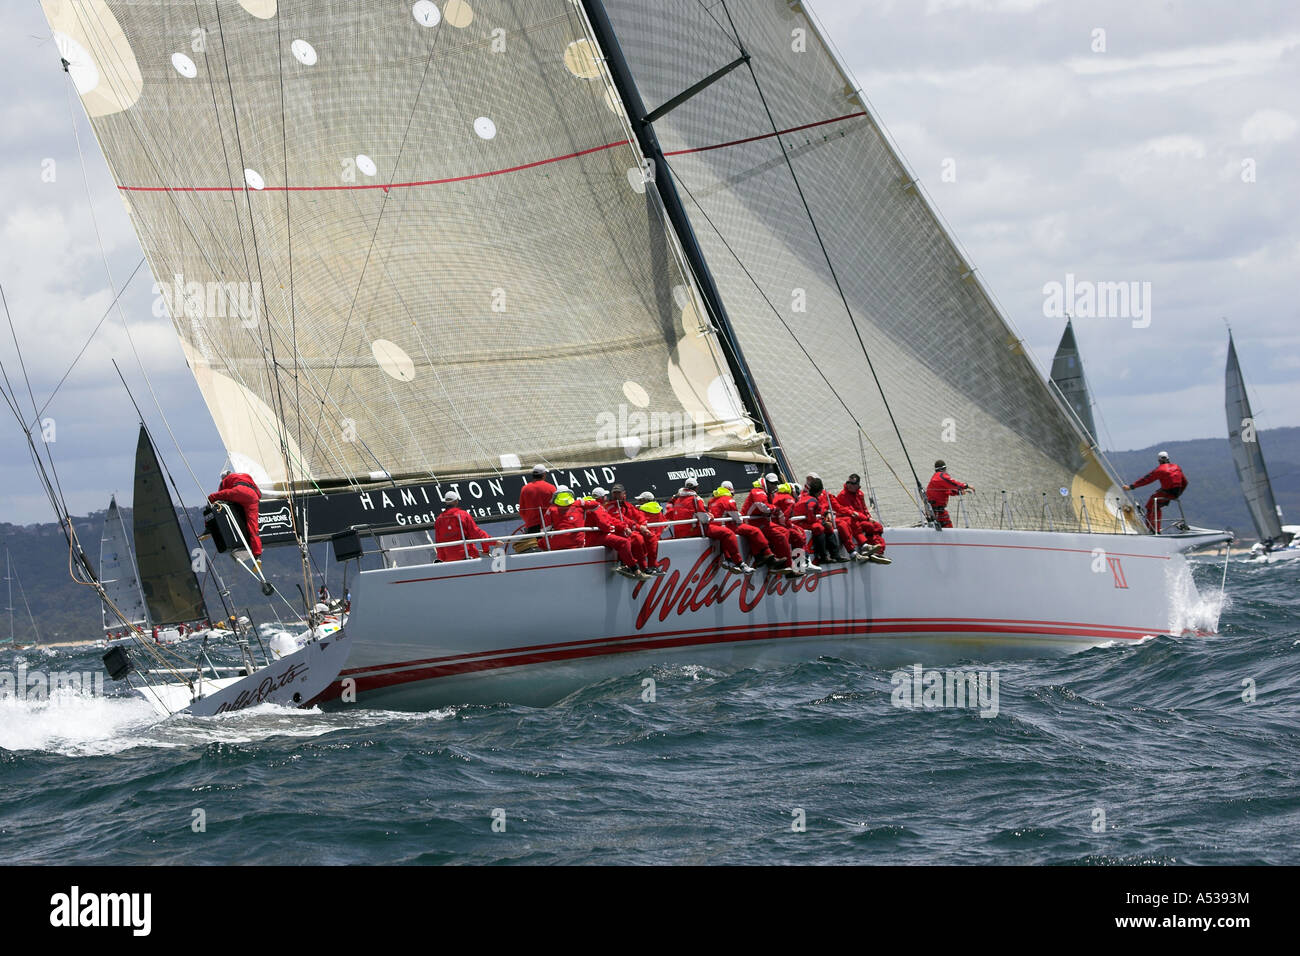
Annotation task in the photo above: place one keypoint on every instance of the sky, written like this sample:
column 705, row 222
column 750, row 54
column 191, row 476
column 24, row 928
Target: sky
column 1112, row 141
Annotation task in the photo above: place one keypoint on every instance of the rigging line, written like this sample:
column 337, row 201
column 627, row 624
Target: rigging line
column 90, row 338
column 829, row 264
column 383, row 205
column 780, row 318
column 200, row 246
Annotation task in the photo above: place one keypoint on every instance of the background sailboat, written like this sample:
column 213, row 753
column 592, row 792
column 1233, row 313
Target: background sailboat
column 634, row 242
column 1275, row 540
column 152, row 582
column 1067, row 377
column 11, row 638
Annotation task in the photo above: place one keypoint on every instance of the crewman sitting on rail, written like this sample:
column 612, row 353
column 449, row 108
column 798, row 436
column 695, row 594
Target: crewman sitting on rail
column 684, row 506
column 759, row 513
column 723, row 505
column 942, row 486
column 654, row 514
column 458, row 529
column 603, row 528
column 868, row 534
column 565, row 513
column 241, row 492
column 1172, row 484
column 635, row 521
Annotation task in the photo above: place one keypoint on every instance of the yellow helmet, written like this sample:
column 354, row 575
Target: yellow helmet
column 563, row 499
column 758, row 483
column 651, row 508
column 784, row 488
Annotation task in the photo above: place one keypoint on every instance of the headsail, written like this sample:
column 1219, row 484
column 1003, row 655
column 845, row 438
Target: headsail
column 1067, row 376
column 1247, row 457
column 167, row 577
column 396, row 246
column 118, row 574
column 959, row 382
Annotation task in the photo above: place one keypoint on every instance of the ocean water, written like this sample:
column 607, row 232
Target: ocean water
column 1173, row 751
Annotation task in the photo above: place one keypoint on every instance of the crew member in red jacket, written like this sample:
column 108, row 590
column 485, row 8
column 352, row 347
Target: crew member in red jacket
column 684, row 506
column 783, row 503
column 941, row 487
column 1172, row 484
column 534, row 499
column 602, row 528
column 635, row 521
column 563, row 515
column 868, row 533
column 723, row 505
column 758, row 511
column 240, row 490
column 820, row 523
column 455, row 529
column 652, row 514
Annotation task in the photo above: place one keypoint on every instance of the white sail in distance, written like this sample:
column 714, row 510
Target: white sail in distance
column 958, row 380
column 1067, row 376
column 1247, row 456
column 401, row 240
column 118, row 574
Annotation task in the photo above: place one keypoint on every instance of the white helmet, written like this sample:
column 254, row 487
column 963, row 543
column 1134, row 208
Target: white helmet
column 599, row 493
column 450, row 498
column 1163, row 456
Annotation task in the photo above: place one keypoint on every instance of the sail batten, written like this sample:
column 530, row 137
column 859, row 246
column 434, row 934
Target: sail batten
column 1247, row 456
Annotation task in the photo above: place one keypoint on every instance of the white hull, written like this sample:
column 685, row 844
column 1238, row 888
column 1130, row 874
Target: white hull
column 294, row 680
column 550, row 623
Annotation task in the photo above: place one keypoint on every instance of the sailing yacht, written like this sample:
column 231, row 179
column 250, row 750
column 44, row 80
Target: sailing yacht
column 152, row 584
column 1277, row 542
column 411, row 248
column 11, row 639
column 1067, row 378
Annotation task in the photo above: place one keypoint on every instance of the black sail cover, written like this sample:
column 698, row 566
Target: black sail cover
column 166, row 575
column 1247, row 456
column 957, row 378
column 1067, row 376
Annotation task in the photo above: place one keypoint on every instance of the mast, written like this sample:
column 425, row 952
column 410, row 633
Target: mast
column 642, row 125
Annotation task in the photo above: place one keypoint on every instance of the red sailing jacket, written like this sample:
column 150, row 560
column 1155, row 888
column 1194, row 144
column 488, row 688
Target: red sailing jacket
column 1168, row 474
column 810, row 509
column 943, row 485
column 598, row 522
column 627, row 513
column 534, row 499
column 562, row 519
column 758, row 510
column 784, row 505
column 453, row 525
column 240, row 489
column 847, row 501
column 722, row 506
column 682, row 508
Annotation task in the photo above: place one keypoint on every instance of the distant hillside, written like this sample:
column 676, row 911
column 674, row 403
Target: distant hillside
column 66, row 611
column 1213, row 498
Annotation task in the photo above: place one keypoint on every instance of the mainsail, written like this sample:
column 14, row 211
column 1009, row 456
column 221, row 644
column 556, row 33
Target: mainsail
column 1247, row 456
column 118, row 574
column 167, row 578
column 958, row 380
column 1067, row 376
column 402, row 242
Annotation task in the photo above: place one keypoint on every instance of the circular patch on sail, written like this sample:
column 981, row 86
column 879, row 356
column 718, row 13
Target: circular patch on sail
column 485, row 127
column 254, row 179
column 88, row 34
column 184, row 66
column 426, row 14
column 392, row 358
column 632, row 446
column 303, row 52
column 262, row 9
column 681, row 295
column 612, row 102
column 366, row 164
column 82, row 69
column 637, row 395
column 580, row 60
column 636, row 179
column 458, row 13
